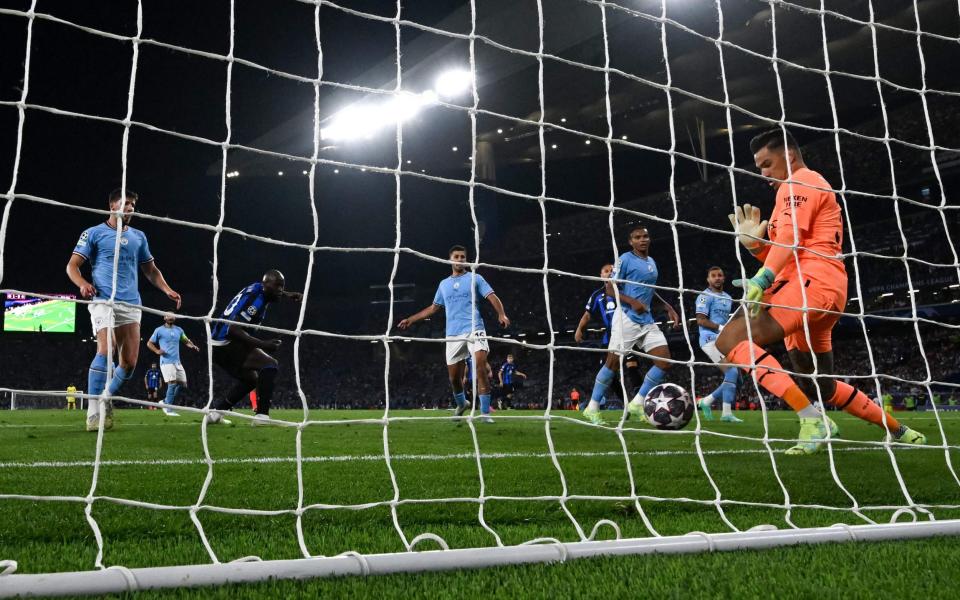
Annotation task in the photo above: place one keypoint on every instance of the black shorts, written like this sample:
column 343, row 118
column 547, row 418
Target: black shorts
column 508, row 388
column 231, row 357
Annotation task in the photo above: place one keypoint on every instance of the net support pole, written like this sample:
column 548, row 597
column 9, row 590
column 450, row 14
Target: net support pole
column 115, row 580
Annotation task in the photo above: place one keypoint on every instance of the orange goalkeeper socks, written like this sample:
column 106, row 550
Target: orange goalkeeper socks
column 776, row 382
column 858, row 404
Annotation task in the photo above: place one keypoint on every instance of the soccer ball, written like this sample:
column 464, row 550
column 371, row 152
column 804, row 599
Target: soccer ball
column 668, row 406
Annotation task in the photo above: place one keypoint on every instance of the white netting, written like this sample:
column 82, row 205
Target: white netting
column 614, row 214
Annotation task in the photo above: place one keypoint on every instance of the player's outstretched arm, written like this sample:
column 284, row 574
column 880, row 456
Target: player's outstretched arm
column 584, row 321
column 671, row 312
column 295, row 296
column 188, row 342
column 498, row 306
column 153, row 274
column 73, row 272
column 423, row 314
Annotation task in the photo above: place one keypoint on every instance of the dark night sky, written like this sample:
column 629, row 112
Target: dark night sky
column 77, row 161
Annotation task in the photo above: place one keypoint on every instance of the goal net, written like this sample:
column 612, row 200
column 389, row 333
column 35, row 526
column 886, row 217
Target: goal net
column 349, row 145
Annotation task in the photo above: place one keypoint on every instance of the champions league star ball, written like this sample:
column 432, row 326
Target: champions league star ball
column 668, row 406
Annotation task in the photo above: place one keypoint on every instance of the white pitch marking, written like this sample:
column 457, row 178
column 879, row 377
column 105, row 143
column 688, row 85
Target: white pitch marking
column 393, row 457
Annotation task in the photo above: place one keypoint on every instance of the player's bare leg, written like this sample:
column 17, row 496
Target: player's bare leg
column 456, row 372
column 483, row 385
column 653, row 378
column 126, row 344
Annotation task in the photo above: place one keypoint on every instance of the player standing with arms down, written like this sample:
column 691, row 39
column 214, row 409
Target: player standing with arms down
column 508, row 370
column 459, row 296
column 805, row 203
column 71, row 398
column 633, row 325
column 713, row 311
column 244, row 357
column 96, row 246
column 151, row 381
column 165, row 343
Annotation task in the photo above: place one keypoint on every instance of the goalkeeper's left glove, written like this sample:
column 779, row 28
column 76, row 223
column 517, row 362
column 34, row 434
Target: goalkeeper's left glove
column 754, row 287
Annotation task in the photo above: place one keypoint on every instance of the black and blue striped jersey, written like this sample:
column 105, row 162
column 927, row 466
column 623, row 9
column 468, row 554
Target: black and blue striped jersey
column 248, row 307
column 602, row 306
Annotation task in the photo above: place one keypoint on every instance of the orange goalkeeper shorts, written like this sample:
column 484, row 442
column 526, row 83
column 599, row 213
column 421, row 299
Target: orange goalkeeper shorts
column 786, row 294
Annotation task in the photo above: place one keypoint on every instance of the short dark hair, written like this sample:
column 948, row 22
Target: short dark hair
column 637, row 227
column 714, row 268
column 456, row 248
column 118, row 193
column 773, row 139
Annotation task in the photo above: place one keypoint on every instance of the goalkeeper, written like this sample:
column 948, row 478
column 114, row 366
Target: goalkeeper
column 807, row 287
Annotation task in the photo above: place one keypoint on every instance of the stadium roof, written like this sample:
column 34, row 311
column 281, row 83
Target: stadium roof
column 507, row 75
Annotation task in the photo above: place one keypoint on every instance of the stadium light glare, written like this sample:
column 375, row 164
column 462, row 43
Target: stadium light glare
column 280, row 173
column 453, row 83
column 499, row 131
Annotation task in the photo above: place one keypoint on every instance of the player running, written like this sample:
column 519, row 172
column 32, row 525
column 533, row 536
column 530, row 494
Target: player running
column 508, row 371
column 602, row 304
column 459, row 296
column 713, row 312
column 806, row 204
column 165, row 343
column 633, row 325
column 246, row 358
column 96, row 246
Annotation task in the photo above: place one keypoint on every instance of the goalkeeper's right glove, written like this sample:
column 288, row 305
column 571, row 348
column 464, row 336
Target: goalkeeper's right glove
column 748, row 226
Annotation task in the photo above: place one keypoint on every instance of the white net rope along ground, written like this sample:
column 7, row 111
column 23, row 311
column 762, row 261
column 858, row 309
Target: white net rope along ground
column 585, row 532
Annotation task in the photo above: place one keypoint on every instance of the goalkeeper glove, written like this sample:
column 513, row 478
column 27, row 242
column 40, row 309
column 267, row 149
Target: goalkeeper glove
column 748, row 226
column 754, row 287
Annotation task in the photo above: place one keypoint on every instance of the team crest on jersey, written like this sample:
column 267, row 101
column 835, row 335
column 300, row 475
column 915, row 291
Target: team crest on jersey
column 251, row 310
column 456, row 285
column 649, row 268
column 611, row 305
column 124, row 241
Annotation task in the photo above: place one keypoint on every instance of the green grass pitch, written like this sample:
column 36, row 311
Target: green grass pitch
column 152, row 458
column 53, row 316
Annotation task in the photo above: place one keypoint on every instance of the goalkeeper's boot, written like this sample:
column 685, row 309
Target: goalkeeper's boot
column 260, row 420
column 914, row 437
column 812, row 435
column 706, row 405
column 731, row 419
column 635, row 408
column 593, row 415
